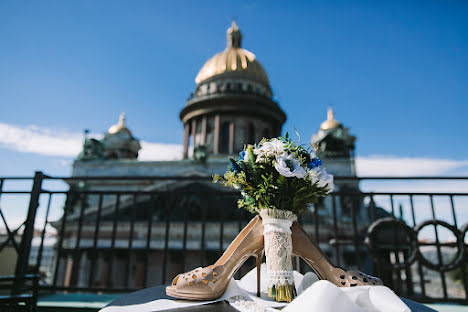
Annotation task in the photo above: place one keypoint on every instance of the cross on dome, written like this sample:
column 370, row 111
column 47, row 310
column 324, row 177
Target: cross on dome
column 234, row 36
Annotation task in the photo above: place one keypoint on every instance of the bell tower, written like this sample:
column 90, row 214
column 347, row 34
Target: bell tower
column 335, row 146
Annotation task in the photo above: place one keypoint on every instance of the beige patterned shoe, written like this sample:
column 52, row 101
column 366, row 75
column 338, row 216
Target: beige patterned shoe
column 305, row 248
column 211, row 282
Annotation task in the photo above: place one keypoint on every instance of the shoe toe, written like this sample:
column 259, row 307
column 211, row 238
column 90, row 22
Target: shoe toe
column 353, row 278
column 195, row 280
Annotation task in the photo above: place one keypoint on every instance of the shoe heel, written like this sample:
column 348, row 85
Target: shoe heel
column 258, row 257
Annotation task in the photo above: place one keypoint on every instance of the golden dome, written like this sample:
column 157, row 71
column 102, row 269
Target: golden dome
column 233, row 59
column 331, row 122
column 120, row 126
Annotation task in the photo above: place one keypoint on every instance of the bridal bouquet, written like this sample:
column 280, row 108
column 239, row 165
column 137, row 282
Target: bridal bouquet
column 278, row 179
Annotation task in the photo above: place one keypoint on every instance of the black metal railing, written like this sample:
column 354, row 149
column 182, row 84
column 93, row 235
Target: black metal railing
column 125, row 233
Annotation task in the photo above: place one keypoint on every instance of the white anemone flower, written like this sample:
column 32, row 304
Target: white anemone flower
column 314, row 175
column 289, row 166
column 322, row 178
column 272, row 148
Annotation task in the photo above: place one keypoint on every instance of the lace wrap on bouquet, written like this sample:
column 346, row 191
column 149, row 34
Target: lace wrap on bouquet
column 278, row 252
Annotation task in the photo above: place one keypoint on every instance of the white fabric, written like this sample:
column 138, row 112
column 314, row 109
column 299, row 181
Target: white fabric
column 325, row 297
column 321, row 296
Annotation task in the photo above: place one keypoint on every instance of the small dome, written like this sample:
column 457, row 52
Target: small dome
column 120, row 127
column 233, row 59
column 331, row 122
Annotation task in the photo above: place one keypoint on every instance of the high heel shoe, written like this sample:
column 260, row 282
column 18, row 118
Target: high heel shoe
column 211, row 282
column 304, row 247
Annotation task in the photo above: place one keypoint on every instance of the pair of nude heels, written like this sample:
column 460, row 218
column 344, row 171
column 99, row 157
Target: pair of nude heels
column 211, row 282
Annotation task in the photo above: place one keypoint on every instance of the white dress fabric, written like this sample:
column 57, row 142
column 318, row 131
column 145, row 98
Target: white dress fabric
column 313, row 296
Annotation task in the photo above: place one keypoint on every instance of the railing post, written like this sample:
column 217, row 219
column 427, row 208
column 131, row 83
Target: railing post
column 26, row 239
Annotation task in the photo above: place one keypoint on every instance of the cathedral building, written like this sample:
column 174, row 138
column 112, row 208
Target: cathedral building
column 232, row 105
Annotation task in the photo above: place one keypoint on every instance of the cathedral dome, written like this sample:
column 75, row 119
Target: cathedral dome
column 120, row 127
column 232, row 104
column 331, row 122
column 233, row 61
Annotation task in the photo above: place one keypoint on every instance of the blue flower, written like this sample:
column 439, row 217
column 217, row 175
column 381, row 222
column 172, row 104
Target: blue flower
column 241, row 155
column 315, row 162
column 319, row 162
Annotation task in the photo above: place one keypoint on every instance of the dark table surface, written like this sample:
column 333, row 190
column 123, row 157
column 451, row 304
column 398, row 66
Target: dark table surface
column 159, row 292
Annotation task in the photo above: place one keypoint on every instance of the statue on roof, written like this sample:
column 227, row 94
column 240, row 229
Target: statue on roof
column 92, row 149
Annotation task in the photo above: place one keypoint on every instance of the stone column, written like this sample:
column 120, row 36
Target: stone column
column 139, row 271
column 186, row 139
column 203, row 130
column 68, row 271
column 217, row 126
column 231, row 137
column 84, row 270
column 194, row 130
column 105, row 270
column 76, row 268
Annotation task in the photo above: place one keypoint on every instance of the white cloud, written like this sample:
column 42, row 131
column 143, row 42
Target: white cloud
column 160, row 151
column 63, row 143
column 381, row 165
column 33, row 139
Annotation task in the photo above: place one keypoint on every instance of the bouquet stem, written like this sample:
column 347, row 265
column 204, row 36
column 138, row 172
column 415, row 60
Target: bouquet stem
column 278, row 251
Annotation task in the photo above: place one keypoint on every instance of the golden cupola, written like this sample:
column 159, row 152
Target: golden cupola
column 120, row 127
column 233, row 61
column 331, row 122
column 119, row 142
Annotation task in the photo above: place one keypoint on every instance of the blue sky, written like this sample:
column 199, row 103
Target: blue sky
column 395, row 72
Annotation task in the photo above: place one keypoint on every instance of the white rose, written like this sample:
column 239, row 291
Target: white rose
column 293, row 170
